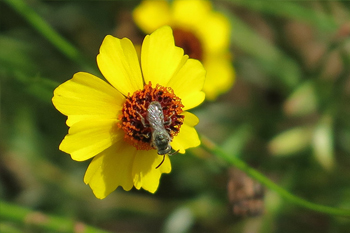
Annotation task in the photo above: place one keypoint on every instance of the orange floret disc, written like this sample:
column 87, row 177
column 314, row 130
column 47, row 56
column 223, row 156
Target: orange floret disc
column 136, row 105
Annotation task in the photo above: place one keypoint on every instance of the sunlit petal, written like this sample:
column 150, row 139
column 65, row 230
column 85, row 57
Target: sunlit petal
column 111, row 168
column 119, row 64
column 86, row 139
column 160, row 58
column 144, row 172
column 188, row 136
column 187, row 83
column 86, row 97
column 193, row 100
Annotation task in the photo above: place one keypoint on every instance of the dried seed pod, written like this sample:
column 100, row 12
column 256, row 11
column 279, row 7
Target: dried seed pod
column 246, row 196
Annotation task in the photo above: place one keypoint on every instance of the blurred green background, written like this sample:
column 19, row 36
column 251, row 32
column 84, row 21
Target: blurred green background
column 288, row 116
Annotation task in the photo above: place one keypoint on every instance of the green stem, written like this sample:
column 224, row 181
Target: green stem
column 23, row 215
column 48, row 32
column 212, row 148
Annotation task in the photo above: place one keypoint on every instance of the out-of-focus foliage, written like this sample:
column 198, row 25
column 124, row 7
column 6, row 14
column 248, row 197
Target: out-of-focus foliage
column 287, row 115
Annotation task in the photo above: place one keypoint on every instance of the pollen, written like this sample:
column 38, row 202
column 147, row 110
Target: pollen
column 138, row 133
column 189, row 42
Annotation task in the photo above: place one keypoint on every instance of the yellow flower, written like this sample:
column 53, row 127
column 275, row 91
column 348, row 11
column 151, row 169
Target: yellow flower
column 200, row 31
column 110, row 122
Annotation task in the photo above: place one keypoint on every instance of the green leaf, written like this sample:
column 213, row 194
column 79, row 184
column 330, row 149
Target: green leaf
column 291, row 141
column 322, row 143
column 48, row 32
column 179, row 221
column 235, row 143
column 302, row 101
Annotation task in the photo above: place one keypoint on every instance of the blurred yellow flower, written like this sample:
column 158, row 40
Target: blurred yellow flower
column 200, row 31
column 110, row 122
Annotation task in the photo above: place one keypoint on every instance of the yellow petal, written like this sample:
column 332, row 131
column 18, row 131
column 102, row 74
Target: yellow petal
column 188, row 82
column 94, row 166
column 220, row 75
column 87, row 138
column 212, row 28
column 190, row 119
column 190, row 12
column 193, row 100
column 214, row 31
column 150, row 15
column 144, row 171
column 187, row 136
column 110, row 169
column 119, row 64
column 160, row 58
column 85, row 97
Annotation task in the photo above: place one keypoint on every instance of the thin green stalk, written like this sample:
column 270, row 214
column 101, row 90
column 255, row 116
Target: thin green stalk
column 52, row 223
column 214, row 149
column 48, row 32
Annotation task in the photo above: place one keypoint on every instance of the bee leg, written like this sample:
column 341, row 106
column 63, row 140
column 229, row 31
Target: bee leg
column 146, row 135
column 143, row 121
column 152, row 145
column 169, row 121
column 161, row 162
column 168, row 130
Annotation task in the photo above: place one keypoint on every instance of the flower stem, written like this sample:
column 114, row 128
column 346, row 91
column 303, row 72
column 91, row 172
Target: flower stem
column 48, row 32
column 214, row 149
column 51, row 223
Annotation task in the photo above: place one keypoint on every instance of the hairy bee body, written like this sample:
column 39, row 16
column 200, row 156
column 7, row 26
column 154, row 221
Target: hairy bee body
column 160, row 137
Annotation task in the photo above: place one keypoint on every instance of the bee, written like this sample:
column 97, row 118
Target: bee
column 160, row 139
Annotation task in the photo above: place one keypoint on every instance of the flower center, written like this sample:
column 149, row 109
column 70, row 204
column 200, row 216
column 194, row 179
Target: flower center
column 189, row 42
column 138, row 131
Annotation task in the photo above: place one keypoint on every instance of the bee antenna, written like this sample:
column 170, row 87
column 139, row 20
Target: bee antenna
column 161, row 162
